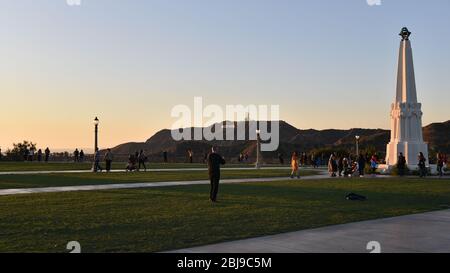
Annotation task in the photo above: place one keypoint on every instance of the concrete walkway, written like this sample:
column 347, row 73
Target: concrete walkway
column 148, row 170
column 148, row 185
column 427, row 232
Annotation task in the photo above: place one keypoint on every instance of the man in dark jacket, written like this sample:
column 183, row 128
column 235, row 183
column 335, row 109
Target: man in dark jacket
column 401, row 164
column 361, row 165
column 214, row 162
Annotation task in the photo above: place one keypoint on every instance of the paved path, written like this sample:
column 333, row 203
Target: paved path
column 427, row 232
column 148, row 185
column 148, row 170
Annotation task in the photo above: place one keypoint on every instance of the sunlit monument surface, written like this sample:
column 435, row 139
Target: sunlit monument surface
column 406, row 113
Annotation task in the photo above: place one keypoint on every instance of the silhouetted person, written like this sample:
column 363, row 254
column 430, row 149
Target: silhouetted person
column 295, row 165
column 165, row 157
column 361, row 165
column 440, row 164
column 81, row 156
column 141, row 159
column 340, row 166
column 190, row 156
column 47, row 154
column 281, row 158
column 422, row 165
column 401, row 164
column 131, row 166
column 214, row 162
column 76, row 155
column 332, row 166
column 108, row 160
column 39, row 155
column 97, row 166
column 314, row 160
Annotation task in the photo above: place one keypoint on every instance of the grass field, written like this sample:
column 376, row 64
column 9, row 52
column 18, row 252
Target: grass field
column 55, row 166
column 78, row 179
column 158, row 219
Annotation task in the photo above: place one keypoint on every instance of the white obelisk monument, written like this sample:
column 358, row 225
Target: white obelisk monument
column 406, row 113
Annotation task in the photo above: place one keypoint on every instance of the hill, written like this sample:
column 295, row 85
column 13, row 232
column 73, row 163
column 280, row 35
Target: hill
column 291, row 139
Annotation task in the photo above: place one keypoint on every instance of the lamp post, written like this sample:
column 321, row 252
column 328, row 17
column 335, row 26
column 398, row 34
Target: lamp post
column 258, row 145
column 357, row 145
column 96, row 122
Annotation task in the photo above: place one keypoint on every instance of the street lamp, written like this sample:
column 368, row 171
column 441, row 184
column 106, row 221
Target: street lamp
column 258, row 146
column 96, row 122
column 357, row 145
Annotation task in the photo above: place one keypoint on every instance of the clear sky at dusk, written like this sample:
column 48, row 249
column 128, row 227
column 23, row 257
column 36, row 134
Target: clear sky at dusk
column 327, row 63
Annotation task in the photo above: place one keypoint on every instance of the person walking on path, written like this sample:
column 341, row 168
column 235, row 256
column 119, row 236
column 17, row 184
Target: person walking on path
column 97, row 166
column 422, row 165
column 214, row 162
column 47, row 154
column 108, row 160
column 141, row 160
column 295, row 165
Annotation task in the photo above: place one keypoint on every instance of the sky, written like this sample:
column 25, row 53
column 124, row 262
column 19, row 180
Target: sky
column 327, row 63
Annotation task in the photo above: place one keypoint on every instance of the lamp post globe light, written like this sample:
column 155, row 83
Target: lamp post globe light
column 258, row 149
column 96, row 122
column 357, row 145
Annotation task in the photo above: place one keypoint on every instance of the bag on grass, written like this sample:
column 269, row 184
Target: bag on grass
column 355, row 197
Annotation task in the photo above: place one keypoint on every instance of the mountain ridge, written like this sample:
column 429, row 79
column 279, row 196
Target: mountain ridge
column 291, row 139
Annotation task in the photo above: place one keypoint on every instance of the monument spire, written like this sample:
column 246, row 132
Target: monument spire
column 406, row 113
column 406, row 80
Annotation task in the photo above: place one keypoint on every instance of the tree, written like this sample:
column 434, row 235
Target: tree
column 20, row 150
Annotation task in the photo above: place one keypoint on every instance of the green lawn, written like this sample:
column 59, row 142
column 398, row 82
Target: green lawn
column 63, row 166
column 78, row 179
column 158, row 219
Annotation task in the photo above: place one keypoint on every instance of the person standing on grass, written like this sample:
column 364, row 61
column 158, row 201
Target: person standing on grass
column 81, row 156
column 332, row 166
column 31, row 155
column 422, row 165
column 97, row 166
column 76, row 155
column 340, row 166
column 141, row 160
column 47, row 154
column 373, row 164
column 295, row 165
column 108, row 160
column 165, row 157
column 39, row 155
column 281, row 158
column 361, row 165
column 401, row 164
column 214, row 162
column 191, row 156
